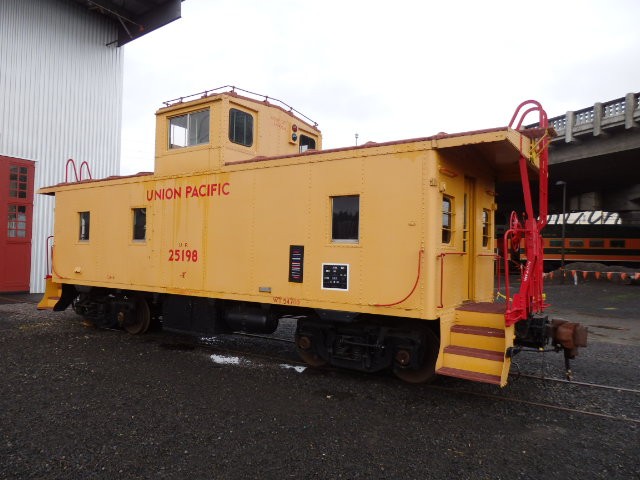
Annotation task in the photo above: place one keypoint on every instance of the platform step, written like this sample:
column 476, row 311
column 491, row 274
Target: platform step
column 477, row 337
column 482, row 314
column 474, row 359
column 478, row 330
column 476, row 345
column 47, row 303
column 468, row 375
column 483, row 307
column 475, row 353
column 51, row 296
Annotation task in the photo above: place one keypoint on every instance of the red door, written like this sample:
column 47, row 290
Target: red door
column 16, row 203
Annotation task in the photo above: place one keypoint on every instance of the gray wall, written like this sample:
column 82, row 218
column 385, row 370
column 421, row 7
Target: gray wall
column 61, row 98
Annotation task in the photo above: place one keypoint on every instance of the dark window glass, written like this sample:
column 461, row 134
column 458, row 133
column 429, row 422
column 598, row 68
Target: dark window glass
column 84, row 225
column 596, row 243
column 345, row 218
column 139, row 223
column 555, row 243
column 240, row 127
column 617, row 243
column 307, row 143
column 188, row 130
column 447, row 213
column 18, row 181
column 486, row 227
column 465, row 231
column 576, row 243
column 17, row 221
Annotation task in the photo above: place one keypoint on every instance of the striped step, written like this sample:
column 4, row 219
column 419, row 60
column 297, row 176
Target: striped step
column 474, row 359
column 467, row 375
column 478, row 340
column 482, row 314
column 487, row 338
column 475, row 353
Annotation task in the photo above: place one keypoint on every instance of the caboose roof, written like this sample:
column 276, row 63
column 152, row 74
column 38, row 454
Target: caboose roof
column 500, row 147
column 229, row 91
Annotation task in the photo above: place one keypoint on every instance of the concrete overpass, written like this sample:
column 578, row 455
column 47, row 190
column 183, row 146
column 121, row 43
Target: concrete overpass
column 597, row 154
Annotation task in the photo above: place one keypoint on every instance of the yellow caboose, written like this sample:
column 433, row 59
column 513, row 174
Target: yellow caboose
column 383, row 252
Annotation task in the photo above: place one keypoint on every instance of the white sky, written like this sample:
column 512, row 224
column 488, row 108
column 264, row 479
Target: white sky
column 386, row 70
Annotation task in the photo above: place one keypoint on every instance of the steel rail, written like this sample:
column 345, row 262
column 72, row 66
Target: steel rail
column 582, row 384
column 538, row 404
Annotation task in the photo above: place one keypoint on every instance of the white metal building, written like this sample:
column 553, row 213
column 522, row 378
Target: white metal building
column 61, row 69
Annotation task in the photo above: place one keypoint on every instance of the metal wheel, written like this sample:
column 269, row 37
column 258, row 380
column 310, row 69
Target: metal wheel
column 426, row 372
column 306, row 352
column 138, row 321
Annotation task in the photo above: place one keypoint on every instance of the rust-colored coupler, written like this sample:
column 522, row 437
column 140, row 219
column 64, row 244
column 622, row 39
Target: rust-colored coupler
column 569, row 336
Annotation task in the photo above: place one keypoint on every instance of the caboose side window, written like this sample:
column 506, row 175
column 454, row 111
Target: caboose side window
column 345, row 215
column 307, row 143
column 240, row 127
column 486, row 227
column 188, row 130
column 447, row 215
column 139, row 223
column 84, row 225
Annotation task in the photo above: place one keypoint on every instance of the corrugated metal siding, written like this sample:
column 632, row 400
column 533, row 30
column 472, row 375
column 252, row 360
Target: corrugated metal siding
column 61, row 98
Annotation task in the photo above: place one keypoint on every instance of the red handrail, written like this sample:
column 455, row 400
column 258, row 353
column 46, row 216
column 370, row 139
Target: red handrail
column 74, row 170
column 420, row 253
column 85, row 164
column 530, row 297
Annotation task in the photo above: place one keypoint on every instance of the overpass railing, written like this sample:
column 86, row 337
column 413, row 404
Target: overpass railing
column 624, row 111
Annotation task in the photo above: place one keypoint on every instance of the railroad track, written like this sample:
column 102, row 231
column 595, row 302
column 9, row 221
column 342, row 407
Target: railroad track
column 549, row 406
column 582, row 384
column 226, row 347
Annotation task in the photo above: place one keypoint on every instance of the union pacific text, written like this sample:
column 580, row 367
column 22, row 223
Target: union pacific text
column 189, row 191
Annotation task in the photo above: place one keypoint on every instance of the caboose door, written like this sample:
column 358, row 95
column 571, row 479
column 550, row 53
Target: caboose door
column 16, row 198
column 468, row 238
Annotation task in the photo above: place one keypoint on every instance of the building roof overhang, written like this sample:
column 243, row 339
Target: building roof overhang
column 134, row 18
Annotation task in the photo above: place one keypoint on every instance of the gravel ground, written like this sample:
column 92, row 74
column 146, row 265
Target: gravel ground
column 82, row 403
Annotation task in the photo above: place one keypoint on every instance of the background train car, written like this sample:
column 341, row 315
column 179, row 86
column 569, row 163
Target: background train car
column 382, row 252
column 596, row 243
column 607, row 244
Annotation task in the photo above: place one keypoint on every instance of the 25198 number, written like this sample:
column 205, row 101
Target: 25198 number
column 183, row 255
